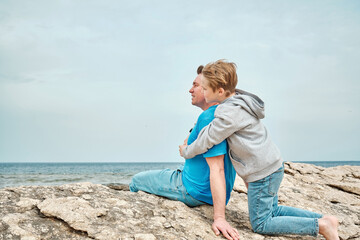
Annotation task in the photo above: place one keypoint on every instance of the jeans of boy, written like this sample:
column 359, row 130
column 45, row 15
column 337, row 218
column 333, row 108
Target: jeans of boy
column 167, row 183
column 267, row 217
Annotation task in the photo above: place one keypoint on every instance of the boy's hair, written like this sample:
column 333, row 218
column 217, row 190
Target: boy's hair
column 221, row 74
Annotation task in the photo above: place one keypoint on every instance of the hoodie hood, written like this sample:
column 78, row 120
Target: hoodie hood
column 249, row 102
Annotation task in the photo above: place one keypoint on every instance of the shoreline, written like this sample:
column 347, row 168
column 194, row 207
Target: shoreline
column 55, row 174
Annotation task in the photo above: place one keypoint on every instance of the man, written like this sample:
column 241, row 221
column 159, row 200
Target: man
column 205, row 179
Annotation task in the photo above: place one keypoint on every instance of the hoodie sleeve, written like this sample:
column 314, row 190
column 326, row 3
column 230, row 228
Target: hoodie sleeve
column 217, row 131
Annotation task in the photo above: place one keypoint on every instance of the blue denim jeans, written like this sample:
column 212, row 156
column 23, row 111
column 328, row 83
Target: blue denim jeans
column 267, row 217
column 167, row 183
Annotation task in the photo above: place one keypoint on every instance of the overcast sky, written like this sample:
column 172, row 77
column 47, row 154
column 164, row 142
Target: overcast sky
column 108, row 81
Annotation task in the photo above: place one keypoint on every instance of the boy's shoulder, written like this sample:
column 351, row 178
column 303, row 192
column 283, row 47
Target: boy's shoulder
column 225, row 107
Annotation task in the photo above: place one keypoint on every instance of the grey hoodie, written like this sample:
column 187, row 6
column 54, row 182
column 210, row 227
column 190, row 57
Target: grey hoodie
column 251, row 150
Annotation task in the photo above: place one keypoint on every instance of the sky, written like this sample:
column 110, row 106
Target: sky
column 108, row 81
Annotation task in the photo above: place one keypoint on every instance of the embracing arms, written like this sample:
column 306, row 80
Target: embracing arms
column 214, row 133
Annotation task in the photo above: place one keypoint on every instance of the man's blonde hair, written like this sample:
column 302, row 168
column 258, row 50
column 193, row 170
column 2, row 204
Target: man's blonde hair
column 221, row 74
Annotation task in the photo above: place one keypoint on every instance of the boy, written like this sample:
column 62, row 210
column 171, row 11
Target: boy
column 255, row 157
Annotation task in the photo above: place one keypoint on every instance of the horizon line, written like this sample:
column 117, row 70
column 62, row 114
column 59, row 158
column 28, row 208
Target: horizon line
column 165, row 162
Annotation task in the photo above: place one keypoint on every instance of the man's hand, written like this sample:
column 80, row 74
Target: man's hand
column 221, row 225
column 181, row 148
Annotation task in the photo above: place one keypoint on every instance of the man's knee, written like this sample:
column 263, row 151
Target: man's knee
column 132, row 187
column 144, row 181
column 134, row 181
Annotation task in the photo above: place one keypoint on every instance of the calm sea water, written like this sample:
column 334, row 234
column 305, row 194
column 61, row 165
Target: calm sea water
column 20, row 174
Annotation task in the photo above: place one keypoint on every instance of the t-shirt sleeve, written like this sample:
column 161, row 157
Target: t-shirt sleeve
column 216, row 150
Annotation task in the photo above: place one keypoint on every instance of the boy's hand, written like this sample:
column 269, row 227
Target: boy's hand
column 181, row 148
column 221, row 225
column 186, row 140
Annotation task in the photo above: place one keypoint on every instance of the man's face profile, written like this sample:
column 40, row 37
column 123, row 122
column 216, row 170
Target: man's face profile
column 197, row 95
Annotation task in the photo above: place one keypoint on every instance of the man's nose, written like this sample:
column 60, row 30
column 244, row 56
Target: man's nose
column 191, row 90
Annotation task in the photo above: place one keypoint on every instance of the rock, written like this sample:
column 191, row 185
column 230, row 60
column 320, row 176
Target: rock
column 93, row 211
column 347, row 187
column 122, row 187
column 144, row 237
column 26, row 204
column 239, row 185
column 77, row 212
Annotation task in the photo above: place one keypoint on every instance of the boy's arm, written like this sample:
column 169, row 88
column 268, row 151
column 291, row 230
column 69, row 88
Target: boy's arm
column 214, row 133
column 218, row 192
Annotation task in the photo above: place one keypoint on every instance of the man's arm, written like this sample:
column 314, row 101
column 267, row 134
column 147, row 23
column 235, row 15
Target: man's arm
column 214, row 133
column 218, row 191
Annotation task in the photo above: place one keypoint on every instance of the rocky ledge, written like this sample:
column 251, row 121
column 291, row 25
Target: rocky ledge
column 92, row 211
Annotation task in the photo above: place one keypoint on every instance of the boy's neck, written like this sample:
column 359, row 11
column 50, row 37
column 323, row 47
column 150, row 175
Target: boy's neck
column 220, row 100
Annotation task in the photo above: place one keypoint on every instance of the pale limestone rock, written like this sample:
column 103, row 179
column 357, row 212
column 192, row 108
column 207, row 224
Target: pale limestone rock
column 356, row 174
column 142, row 236
column 116, row 202
column 72, row 210
column 13, row 221
column 239, row 185
column 27, row 203
column 347, row 187
column 86, row 196
column 93, row 211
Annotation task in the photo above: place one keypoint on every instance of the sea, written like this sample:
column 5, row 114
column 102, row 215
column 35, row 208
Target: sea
column 57, row 173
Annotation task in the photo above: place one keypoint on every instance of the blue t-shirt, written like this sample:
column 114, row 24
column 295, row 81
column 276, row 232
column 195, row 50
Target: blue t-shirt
column 196, row 172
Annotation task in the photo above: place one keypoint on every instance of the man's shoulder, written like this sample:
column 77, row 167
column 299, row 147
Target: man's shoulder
column 208, row 113
column 206, row 117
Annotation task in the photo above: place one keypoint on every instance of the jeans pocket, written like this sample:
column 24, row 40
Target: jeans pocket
column 275, row 181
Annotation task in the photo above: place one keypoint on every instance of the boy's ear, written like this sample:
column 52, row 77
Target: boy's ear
column 221, row 91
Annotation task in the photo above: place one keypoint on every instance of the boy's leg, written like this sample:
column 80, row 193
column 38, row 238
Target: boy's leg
column 295, row 212
column 166, row 183
column 267, row 218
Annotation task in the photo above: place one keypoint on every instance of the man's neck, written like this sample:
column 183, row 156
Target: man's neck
column 207, row 105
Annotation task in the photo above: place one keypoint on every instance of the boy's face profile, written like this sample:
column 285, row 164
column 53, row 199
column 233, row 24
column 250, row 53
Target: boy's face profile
column 210, row 95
